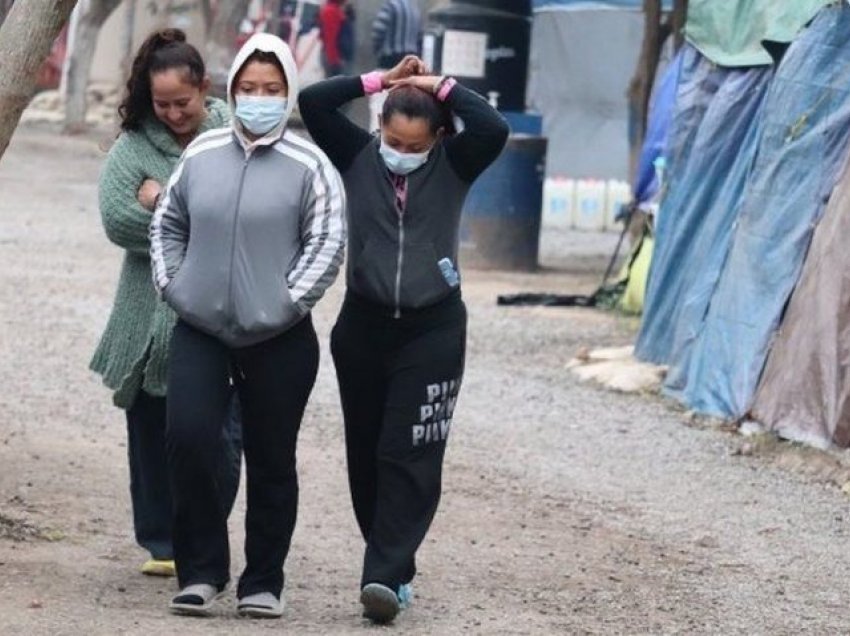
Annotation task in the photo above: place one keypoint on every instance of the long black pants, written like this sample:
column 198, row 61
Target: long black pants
column 273, row 379
column 150, row 492
column 399, row 381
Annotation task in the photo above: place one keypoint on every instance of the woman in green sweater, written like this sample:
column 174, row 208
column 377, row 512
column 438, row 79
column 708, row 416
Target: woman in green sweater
column 165, row 108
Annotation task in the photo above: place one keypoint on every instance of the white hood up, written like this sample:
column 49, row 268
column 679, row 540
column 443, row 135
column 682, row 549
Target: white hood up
column 267, row 43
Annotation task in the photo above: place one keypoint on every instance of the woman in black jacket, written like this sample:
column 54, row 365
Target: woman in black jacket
column 399, row 342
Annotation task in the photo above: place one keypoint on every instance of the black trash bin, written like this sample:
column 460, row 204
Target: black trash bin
column 483, row 45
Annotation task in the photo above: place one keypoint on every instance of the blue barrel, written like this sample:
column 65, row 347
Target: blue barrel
column 500, row 226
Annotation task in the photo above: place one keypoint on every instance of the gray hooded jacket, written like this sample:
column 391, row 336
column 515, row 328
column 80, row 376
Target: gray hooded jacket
column 249, row 235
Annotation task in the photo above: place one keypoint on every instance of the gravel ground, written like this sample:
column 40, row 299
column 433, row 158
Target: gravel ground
column 566, row 509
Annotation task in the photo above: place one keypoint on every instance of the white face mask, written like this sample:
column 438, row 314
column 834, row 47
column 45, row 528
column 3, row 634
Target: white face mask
column 402, row 163
column 260, row 114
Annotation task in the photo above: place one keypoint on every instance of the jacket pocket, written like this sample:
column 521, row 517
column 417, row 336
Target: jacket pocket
column 265, row 308
column 374, row 271
column 197, row 299
column 422, row 282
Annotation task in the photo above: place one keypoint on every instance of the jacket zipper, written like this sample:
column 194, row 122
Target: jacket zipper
column 231, row 306
column 400, row 210
column 400, row 264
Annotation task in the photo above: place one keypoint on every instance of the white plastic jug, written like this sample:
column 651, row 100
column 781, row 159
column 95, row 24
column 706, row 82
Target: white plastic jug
column 590, row 205
column 618, row 193
column 558, row 202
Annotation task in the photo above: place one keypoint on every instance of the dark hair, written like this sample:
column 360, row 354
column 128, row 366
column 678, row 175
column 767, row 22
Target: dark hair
column 264, row 57
column 415, row 103
column 163, row 50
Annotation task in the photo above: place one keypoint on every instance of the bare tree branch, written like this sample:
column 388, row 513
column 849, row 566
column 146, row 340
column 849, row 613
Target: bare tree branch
column 26, row 36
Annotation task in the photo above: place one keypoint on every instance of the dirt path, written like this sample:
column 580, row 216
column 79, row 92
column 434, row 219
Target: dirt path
column 566, row 510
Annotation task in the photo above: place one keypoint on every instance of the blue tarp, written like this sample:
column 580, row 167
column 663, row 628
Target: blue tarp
column 805, row 133
column 696, row 219
column 698, row 83
column 734, row 237
column 658, row 125
column 723, row 155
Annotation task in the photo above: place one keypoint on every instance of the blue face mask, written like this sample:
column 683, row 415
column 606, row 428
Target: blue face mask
column 402, row 163
column 260, row 114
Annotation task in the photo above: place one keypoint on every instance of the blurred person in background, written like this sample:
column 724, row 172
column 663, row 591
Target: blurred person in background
column 331, row 21
column 396, row 33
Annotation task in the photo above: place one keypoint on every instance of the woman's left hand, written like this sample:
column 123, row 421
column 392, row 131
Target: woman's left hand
column 426, row 83
column 148, row 193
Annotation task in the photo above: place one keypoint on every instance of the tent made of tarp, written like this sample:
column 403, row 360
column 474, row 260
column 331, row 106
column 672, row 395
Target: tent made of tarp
column 583, row 55
column 805, row 390
column 731, row 32
column 805, row 133
column 711, row 146
column 715, row 301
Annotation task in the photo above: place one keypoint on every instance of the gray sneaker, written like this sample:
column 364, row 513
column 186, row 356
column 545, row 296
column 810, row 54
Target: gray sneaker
column 196, row 600
column 261, row 605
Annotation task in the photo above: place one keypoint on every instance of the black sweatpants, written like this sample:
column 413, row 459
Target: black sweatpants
column 273, row 379
column 399, row 380
column 150, row 492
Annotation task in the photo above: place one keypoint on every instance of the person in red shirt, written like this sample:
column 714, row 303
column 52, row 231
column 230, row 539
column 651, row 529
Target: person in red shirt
column 331, row 19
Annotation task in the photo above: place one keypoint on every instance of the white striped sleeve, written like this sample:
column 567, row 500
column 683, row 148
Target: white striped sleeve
column 169, row 231
column 322, row 224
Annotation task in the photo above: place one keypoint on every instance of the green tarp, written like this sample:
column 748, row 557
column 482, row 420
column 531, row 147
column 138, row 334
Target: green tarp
column 730, row 32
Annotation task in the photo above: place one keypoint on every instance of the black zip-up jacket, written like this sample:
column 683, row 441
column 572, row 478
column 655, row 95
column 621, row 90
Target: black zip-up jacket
column 393, row 255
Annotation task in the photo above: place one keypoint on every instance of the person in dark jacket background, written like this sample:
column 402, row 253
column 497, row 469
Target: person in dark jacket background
column 396, row 33
column 399, row 342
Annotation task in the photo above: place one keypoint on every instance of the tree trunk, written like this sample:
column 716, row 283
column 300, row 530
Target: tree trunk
column 679, row 18
column 5, row 5
column 93, row 14
column 640, row 88
column 25, row 40
column 222, row 38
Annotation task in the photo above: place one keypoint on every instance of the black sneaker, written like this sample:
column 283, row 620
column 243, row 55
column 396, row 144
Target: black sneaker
column 380, row 603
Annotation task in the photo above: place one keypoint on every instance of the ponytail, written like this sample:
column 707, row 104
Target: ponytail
column 163, row 50
column 415, row 103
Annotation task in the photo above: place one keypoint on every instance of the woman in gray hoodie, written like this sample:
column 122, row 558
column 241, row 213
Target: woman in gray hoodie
column 246, row 239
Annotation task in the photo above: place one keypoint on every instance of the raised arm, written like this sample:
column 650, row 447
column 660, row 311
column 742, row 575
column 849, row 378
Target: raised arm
column 339, row 137
column 484, row 133
column 125, row 220
column 169, row 230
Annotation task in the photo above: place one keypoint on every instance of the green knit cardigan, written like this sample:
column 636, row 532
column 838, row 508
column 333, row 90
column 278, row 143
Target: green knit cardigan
column 133, row 351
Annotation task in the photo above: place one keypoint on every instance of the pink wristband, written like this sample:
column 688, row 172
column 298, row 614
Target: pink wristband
column 446, row 88
column 372, row 82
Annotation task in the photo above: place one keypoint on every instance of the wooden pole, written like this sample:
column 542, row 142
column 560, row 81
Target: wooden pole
column 678, row 20
column 640, row 87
